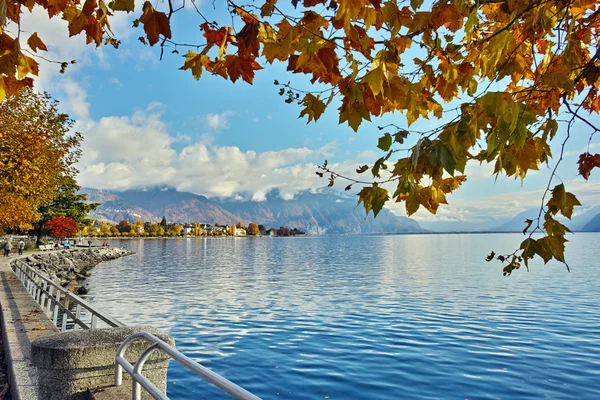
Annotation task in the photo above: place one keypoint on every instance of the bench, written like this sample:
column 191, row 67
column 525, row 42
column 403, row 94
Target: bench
column 45, row 247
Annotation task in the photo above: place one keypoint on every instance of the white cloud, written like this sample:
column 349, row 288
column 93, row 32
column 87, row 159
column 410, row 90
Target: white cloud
column 218, row 121
column 368, row 155
column 116, row 82
column 76, row 99
column 582, row 150
column 138, row 151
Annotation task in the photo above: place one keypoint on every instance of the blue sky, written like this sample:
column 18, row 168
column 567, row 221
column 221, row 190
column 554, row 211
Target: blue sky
column 145, row 122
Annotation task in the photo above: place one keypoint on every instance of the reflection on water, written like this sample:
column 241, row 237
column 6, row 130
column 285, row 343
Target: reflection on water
column 365, row 317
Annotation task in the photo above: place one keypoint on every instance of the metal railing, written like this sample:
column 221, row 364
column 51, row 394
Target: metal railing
column 139, row 380
column 66, row 310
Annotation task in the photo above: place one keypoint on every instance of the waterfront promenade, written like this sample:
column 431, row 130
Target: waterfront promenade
column 55, row 349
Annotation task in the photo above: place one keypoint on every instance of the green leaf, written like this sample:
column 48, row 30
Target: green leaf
column 385, row 142
column 447, row 159
column 373, row 198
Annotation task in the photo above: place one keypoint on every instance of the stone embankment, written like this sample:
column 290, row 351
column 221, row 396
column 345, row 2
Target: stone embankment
column 72, row 267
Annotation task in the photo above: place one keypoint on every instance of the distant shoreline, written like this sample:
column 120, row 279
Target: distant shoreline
column 326, row 235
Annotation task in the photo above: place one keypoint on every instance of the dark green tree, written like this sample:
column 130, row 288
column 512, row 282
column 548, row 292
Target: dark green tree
column 163, row 223
column 67, row 202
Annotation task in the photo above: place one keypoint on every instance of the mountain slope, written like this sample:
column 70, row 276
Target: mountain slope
column 324, row 212
column 577, row 223
column 593, row 225
column 331, row 212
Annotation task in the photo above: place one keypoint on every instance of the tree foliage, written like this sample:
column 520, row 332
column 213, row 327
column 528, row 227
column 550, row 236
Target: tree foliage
column 253, row 229
column 62, row 227
column 37, row 151
column 67, row 202
column 124, row 227
column 498, row 74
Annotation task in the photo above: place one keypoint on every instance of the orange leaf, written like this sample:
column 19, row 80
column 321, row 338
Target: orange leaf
column 36, row 43
column 587, row 162
column 155, row 23
column 241, row 67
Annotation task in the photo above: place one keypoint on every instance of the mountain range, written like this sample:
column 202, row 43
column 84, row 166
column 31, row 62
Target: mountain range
column 581, row 221
column 324, row 211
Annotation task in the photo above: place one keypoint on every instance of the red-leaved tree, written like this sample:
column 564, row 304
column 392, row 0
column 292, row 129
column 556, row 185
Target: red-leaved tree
column 61, row 227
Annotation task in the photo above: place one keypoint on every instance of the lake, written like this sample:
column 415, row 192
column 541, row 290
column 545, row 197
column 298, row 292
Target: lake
column 365, row 317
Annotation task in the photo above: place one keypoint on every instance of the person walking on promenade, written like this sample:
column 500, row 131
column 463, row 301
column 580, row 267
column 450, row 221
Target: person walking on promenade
column 7, row 248
column 21, row 247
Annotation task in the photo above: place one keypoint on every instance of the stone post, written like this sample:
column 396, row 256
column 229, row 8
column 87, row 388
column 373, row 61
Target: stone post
column 72, row 363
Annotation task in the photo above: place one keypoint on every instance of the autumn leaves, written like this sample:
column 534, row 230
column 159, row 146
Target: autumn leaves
column 499, row 75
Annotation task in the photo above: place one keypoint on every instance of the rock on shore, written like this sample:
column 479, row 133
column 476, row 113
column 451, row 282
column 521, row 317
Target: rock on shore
column 71, row 267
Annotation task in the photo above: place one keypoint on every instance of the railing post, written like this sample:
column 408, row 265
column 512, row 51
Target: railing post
column 43, row 296
column 77, row 316
column 55, row 313
column 49, row 302
column 65, row 316
column 38, row 286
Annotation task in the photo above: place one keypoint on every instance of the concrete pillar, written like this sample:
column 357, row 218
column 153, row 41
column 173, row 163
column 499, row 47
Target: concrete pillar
column 70, row 364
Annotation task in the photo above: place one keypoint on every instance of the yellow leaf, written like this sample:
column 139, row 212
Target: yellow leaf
column 195, row 62
column 313, row 107
column 27, row 65
column 375, row 79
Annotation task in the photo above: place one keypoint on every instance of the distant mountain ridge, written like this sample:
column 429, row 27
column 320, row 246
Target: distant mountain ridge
column 579, row 222
column 322, row 212
column 593, row 225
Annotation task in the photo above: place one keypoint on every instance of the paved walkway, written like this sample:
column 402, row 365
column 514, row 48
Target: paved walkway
column 4, row 387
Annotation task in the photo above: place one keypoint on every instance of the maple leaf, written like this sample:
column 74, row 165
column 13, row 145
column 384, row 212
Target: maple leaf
column 241, row 67
column 247, row 40
column 587, row 162
column 155, row 23
column 313, row 107
column 373, row 198
column 36, row 43
column 354, row 113
column 195, row 62
column 385, row 142
column 375, row 79
column 27, row 65
column 562, row 201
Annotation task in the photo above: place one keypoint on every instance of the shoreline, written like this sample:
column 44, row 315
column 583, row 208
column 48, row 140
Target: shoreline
column 106, row 238
column 71, row 268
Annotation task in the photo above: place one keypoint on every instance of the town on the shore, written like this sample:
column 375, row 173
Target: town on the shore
column 165, row 229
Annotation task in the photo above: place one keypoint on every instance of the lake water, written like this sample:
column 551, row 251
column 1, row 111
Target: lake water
column 366, row 317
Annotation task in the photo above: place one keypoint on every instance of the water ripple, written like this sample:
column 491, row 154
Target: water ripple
column 381, row 317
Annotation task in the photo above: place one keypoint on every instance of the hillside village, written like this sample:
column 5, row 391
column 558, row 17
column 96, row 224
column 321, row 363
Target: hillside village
column 165, row 229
